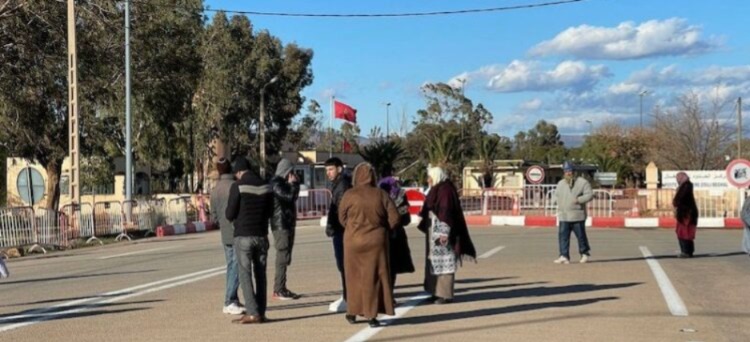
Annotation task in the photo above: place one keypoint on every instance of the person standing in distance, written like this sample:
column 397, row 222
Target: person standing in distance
column 249, row 208
column 219, row 200
column 573, row 193
column 283, row 224
column 340, row 183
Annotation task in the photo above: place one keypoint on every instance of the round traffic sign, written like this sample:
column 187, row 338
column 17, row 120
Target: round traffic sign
column 738, row 173
column 535, row 174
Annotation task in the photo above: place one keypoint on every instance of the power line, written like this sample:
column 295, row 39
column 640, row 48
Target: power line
column 386, row 15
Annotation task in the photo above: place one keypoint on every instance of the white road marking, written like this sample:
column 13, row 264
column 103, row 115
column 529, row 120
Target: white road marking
column 137, row 252
column 44, row 314
column 367, row 333
column 674, row 302
column 491, row 252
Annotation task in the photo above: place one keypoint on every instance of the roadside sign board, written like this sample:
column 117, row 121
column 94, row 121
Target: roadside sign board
column 535, row 174
column 738, row 173
column 606, row 178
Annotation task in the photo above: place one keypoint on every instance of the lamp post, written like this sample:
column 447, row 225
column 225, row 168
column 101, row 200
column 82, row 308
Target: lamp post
column 387, row 121
column 641, row 96
column 591, row 127
column 262, row 126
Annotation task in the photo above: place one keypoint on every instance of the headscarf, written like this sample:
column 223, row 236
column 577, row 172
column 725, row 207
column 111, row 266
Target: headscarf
column 390, row 185
column 682, row 177
column 437, row 174
column 364, row 175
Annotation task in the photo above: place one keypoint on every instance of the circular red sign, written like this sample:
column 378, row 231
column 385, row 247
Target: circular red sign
column 738, row 173
column 535, row 174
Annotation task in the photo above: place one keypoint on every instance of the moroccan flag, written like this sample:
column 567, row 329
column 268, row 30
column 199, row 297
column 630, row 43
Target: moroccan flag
column 347, row 147
column 344, row 112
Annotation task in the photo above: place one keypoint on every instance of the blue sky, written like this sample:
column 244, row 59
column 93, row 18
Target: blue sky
column 566, row 64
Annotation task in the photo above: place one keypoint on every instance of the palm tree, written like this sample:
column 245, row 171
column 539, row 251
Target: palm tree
column 382, row 154
column 489, row 149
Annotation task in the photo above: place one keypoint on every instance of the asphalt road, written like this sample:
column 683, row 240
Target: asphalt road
column 171, row 289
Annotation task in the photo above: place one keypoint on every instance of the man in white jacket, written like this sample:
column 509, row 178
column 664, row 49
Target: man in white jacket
column 572, row 195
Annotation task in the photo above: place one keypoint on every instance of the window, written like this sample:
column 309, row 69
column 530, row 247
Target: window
column 30, row 185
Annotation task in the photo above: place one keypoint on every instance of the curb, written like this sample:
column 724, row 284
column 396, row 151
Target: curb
column 594, row 222
column 188, row 228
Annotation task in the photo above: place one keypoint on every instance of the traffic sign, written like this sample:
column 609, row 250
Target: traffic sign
column 535, row 174
column 738, row 173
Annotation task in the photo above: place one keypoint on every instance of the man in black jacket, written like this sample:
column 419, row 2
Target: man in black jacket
column 285, row 193
column 339, row 184
column 249, row 208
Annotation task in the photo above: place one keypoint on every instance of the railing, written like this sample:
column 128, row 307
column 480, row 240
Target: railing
column 313, row 203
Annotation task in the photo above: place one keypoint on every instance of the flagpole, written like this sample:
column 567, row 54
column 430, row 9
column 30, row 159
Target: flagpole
column 330, row 131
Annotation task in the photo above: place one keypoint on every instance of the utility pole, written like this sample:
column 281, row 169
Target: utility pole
column 128, row 133
column 641, row 95
column 387, row 121
column 262, row 126
column 739, row 127
column 73, row 120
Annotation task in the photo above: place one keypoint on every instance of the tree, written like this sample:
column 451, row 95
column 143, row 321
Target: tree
column 229, row 92
column 541, row 144
column 692, row 136
column 382, row 154
column 306, row 131
column 376, row 134
column 615, row 149
column 33, row 78
column 491, row 148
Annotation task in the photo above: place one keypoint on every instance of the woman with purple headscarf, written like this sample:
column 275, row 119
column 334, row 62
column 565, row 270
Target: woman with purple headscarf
column 399, row 252
column 686, row 214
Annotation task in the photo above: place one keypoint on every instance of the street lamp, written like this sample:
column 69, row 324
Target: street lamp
column 387, row 121
column 591, row 126
column 262, row 126
column 641, row 96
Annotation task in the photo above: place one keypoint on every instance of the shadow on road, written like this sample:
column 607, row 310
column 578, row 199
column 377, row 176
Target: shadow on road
column 36, row 280
column 298, row 305
column 275, row 320
column 540, row 291
column 497, row 311
column 660, row 257
column 72, row 311
column 475, row 288
column 47, row 301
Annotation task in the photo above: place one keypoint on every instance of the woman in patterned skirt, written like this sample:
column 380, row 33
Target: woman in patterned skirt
column 447, row 236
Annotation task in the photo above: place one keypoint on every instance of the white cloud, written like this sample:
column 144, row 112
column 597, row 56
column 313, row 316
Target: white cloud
column 531, row 105
column 521, row 76
column 670, row 37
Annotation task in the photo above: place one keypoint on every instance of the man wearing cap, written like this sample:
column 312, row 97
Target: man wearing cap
column 249, row 208
column 219, row 200
column 572, row 195
column 285, row 193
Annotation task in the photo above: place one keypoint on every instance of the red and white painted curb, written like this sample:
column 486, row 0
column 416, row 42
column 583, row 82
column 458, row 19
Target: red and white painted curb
column 189, row 228
column 595, row 222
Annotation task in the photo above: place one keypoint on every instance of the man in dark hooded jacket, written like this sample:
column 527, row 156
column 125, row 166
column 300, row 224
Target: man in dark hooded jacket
column 285, row 189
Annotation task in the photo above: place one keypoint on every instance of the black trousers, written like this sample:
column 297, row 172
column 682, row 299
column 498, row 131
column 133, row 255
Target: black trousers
column 687, row 247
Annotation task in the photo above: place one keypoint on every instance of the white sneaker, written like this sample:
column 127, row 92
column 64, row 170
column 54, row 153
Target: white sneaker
column 339, row 305
column 234, row 309
column 562, row 260
column 584, row 259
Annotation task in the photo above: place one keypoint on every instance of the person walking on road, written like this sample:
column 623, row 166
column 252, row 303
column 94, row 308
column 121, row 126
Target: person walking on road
column 447, row 237
column 340, row 183
column 219, row 201
column 745, row 215
column 572, row 193
column 686, row 214
column 4, row 273
column 399, row 251
column 283, row 224
column 249, row 208
column 368, row 216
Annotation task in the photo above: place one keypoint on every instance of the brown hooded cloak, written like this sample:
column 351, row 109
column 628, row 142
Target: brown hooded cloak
column 367, row 214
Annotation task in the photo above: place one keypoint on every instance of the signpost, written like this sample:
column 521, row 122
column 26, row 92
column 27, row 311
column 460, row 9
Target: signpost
column 738, row 173
column 535, row 174
column 606, row 178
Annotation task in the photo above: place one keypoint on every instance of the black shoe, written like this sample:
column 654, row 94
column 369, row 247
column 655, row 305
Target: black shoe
column 351, row 319
column 285, row 294
column 374, row 323
column 441, row 301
